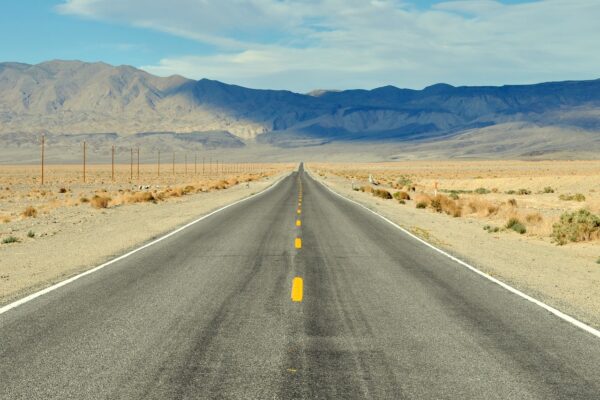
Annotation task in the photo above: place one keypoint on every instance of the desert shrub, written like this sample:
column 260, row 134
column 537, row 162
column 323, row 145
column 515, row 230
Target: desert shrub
column 384, row 194
column 356, row 189
column 510, row 192
column 140, row 197
column 548, row 189
column 576, row 226
column 482, row 190
column 516, row 225
column 401, row 196
column 84, row 200
column 421, row 204
column 481, row 207
column 10, row 239
column 572, row 197
column 453, row 195
column 441, row 203
column 534, row 218
column 511, row 202
column 401, row 201
column 366, row 189
column 99, row 201
column 5, row 219
column 62, row 190
column 29, row 212
column 31, row 234
column 598, row 260
column 523, row 192
column 491, row 229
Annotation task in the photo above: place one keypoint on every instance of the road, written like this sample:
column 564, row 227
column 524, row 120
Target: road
column 208, row 314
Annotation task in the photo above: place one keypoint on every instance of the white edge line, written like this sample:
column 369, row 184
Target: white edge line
column 49, row 289
column 511, row 289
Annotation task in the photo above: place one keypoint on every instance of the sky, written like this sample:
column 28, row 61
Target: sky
column 302, row 45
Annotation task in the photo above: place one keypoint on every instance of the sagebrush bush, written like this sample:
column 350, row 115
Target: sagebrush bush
column 31, row 234
column 523, row 191
column 548, row 189
column 572, row 197
column 384, row 194
column 576, row 226
column 516, row 225
column 29, row 212
column 482, row 190
column 421, row 204
column 401, row 196
column 10, row 239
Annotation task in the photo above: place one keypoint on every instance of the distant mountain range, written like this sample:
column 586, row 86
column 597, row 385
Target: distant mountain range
column 70, row 97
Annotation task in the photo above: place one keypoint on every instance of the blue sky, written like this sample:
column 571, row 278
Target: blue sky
column 306, row 44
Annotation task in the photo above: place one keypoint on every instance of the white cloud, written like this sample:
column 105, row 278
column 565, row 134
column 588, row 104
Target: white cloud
column 305, row 44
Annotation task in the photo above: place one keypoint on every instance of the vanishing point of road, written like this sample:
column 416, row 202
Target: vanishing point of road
column 294, row 293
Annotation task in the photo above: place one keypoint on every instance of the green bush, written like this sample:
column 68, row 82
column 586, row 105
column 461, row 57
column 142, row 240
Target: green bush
column 482, row 190
column 510, row 192
column 516, row 225
column 576, row 226
column 384, row 194
column 421, row 204
column 401, row 196
column 572, row 197
column 523, row 191
column 548, row 189
column 491, row 229
column 10, row 239
column 453, row 195
column 31, row 234
column 404, row 181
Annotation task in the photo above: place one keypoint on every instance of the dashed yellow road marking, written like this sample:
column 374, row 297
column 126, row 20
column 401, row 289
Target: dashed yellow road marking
column 297, row 288
column 298, row 243
column 298, row 222
column 299, row 211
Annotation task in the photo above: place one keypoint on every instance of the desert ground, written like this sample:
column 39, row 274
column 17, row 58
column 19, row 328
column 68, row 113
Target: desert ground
column 534, row 224
column 52, row 231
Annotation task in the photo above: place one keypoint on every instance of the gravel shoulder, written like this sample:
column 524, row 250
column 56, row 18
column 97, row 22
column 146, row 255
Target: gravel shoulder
column 71, row 240
column 565, row 277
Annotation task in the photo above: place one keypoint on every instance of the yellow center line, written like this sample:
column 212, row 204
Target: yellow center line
column 299, row 211
column 297, row 289
column 298, row 243
column 298, row 222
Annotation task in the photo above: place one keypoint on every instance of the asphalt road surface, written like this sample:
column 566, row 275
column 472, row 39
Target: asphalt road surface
column 208, row 313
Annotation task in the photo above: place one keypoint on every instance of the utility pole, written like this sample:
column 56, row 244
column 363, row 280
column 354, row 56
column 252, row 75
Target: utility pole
column 173, row 164
column 158, row 162
column 185, row 162
column 84, row 161
column 202, row 166
column 43, row 142
column 138, row 163
column 195, row 163
column 112, row 164
column 131, row 165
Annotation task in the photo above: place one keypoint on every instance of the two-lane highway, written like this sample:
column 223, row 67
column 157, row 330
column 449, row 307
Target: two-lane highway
column 210, row 312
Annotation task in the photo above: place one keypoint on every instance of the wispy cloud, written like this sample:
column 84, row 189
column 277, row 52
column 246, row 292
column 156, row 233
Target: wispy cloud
column 304, row 44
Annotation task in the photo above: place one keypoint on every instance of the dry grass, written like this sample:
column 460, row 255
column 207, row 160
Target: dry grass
column 486, row 190
column 100, row 201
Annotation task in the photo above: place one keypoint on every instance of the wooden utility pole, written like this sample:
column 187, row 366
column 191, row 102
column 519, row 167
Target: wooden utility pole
column 84, row 161
column 185, row 162
column 173, row 164
column 158, row 162
column 131, row 165
column 138, row 163
column 195, row 163
column 112, row 170
column 210, row 166
column 202, row 166
column 43, row 142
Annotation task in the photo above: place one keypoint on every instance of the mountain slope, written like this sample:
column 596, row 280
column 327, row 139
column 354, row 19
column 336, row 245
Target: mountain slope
column 70, row 97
